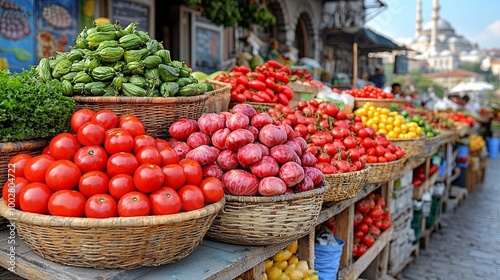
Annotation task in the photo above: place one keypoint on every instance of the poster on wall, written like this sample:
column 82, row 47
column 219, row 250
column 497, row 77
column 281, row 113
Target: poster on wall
column 207, row 46
column 17, row 39
column 57, row 26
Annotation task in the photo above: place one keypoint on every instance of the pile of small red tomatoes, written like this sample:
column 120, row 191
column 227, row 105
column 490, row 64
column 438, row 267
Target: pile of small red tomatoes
column 267, row 84
column 370, row 220
column 109, row 168
column 370, row 92
column 339, row 140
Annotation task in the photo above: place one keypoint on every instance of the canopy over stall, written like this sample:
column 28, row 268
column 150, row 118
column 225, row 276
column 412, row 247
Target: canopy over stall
column 362, row 40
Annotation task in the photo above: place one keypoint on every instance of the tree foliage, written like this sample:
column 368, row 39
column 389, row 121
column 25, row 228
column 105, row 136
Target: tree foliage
column 228, row 13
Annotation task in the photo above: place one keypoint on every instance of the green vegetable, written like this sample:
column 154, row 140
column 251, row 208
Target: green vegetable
column 143, row 35
column 103, row 73
column 185, row 81
column 153, row 46
column 107, row 44
column 82, row 77
column 130, row 41
column 189, row 90
column 138, row 81
column 96, row 38
column 75, row 54
column 165, row 56
column 69, row 77
column 168, row 73
column 177, row 64
column 111, row 54
column 185, row 71
column 135, row 55
column 62, row 68
column 43, row 69
column 169, row 89
column 31, row 108
column 152, row 61
column 67, row 88
column 103, row 27
column 78, row 66
column 130, row 89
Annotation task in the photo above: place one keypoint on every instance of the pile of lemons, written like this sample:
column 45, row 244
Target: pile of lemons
column 392, row 124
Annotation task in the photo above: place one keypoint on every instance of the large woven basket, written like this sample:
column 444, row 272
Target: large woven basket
column 218, row 99
column 156, row 113
column 383, row 103
column 124, row 243
column 384, row 172
column 345, row 185
column 10, row 149
column 430, row 146
column 258, row 220
column 413, row 147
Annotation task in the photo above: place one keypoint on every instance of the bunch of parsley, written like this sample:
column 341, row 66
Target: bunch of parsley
column 30, row 108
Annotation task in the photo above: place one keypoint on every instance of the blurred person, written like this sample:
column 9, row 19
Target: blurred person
column 397, row 90
column 378, row 78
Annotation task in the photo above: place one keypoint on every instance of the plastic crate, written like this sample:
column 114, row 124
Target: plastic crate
column 416, row 224
column 435, row 211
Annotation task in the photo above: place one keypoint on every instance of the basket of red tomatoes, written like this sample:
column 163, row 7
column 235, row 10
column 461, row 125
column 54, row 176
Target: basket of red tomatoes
column 93, row 198
column 377, row 96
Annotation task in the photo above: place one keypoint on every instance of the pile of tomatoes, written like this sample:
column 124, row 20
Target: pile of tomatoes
column 371, row 218
column 300, row 75
column 109, row 168
column 248, row 152
column 460, row 117
column 339, row 140
column 267, row 84
column 370, row 92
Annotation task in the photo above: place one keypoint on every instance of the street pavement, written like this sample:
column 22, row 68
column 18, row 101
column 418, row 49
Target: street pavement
column 468, row 245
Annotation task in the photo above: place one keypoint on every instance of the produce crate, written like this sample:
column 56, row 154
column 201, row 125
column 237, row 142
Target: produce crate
column 435, row 212
column 416, row 223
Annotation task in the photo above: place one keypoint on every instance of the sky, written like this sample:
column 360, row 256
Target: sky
column 476, row 20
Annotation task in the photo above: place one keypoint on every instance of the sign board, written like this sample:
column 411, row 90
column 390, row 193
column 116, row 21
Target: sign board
column 206, row 53
column 127, row 11
column 401, row 64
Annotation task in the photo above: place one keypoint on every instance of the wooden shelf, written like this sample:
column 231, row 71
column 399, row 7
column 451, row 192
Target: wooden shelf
column 354, row 270
column 334, row 208
column 413, row 163
column 211, row 260
column 419, row 191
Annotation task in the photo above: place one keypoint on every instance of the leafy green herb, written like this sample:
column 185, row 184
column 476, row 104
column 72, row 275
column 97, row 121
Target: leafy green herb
column 30, row 108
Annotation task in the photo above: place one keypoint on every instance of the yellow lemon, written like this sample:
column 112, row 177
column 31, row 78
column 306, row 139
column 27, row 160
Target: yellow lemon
column 404, row 128
column 396, row 129
column 375, row 126
column 383, row 131
column 411, row 129
column 376, row 119
column 370, row 113
column 412, row 134
column 392, row 135
column 364, row 119
column 389, row 127
column 385, row 110
column 393, row 114
column 381, row 125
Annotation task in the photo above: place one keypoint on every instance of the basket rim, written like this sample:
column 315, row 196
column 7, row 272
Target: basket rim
column 386, row 163
column 141, row 100
column 225, row 87
column 364, row 170
column 140, row 221
column 419, row 139
column 278, row 198
column 16, row 146
column 391, row 100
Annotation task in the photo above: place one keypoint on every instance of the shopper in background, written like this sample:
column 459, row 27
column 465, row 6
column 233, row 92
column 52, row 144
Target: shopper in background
column 378, row 78
column 397, row 91
column 274, row 49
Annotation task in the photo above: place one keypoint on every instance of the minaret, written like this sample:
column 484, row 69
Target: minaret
column 418, row 25
column 435, row 17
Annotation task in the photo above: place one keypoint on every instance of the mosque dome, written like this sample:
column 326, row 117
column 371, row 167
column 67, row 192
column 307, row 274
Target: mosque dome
column 442, row 25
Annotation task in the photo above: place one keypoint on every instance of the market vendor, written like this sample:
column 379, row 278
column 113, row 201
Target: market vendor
column 397, row 91
column 274, row 50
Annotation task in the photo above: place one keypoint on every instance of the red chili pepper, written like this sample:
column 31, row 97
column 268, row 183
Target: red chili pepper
column 244, row 69
column 256, row 98
column 282, row 77
column 242, row 80
column 274, row 64
column 279, row 88
column 256, row 84
column 270, row 92
column 264, row 96
column 240, row 88
column 287, row 92
column 267, row 73
column 248, row 94
column 232, row 83
column 282, row 99
column 240, row 98
column 275, row 99
column 235, row 74
column 285, row 69
column 259, row 68
column 236, row 68
column 269, row 83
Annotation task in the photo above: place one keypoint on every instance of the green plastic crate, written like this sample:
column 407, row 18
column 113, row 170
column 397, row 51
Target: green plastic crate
column 435, row 211
column 416, row 224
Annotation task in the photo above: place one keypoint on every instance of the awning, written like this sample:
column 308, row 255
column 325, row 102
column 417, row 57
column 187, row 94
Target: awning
column 368, row 40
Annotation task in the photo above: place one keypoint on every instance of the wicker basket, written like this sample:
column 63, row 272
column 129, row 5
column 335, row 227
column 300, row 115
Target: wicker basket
column 345, row 185
column 124, row 243
column 383, row 172
column 156, row 113
column 430, row 146
column 413, row 147
column 260, row 220
column 10, row 149
column 448, row 135
column 383, row 103
column 218, row 99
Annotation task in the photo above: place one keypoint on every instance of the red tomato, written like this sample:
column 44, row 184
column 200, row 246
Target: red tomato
column 134, row 127
column 193, row 171
column 16, row 164
column 93, row 182
column 168, row 156
column 142, row 141
column 91, row 158
column 62, row 175
column 174, row 176
column 127, row 118
column 11, row 190
column 122, row 163
column 380, row 151
column 67, row 203
column 34, row 198
column 46, row 151
column 106, row 118
column 80, row 117
column 160, row 144
column 134, row 204
column 165, row 201
column 64, row 146
column 119, row 141
column 148, row 178
column 212, row 189
column 91, row 134
column 101, row 206
column 331, row 109
column 120, row 185
column 149, row 155
column 35, row 168
column 191, row 197
column 349, row 142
